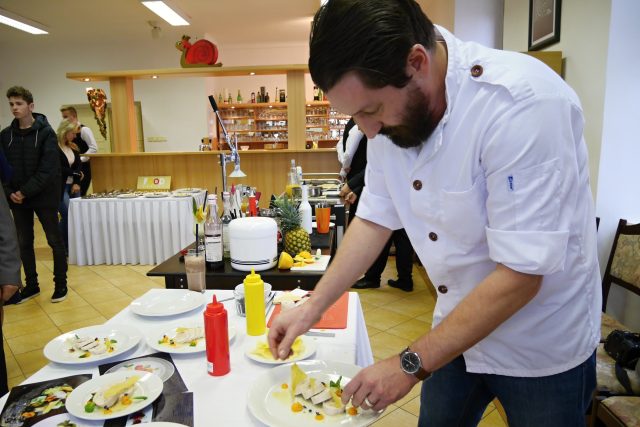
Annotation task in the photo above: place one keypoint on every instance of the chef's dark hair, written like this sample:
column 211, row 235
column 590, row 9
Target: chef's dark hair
column 371, row 37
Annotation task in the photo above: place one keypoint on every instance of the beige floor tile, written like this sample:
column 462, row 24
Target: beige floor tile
column 113, row 306
column 397, row 418
column 379, row 297
column 367, row 306
column 384, row 319
column 27, row 326
column 17, row 380
column 32, row 361
column 13, row 369
column 413, row 406
column 383, row 352
column 391, row 341
column 140, row 289
column 22, row 312
column 91, row 285
column 411, row 329
column 427, row 317
column 96, row 294
column 33, row 341
column 74, row 315
column 492, row 419
column 125, row 281
column 372, row 330
column 68, row 327
column 73, row 301
column 409, row 307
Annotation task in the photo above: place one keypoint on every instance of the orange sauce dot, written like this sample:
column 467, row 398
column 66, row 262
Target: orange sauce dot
column 319, row 417
column 296, row 407
column 352, row 411
column 285, row 386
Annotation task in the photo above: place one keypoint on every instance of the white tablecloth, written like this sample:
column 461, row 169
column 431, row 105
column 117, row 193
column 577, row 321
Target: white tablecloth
column 129, row 231
column 224, row 399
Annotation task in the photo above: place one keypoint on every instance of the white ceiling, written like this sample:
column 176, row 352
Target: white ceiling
column 225, row 21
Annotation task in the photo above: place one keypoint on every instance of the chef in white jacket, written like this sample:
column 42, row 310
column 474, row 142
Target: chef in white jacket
column 479, row 154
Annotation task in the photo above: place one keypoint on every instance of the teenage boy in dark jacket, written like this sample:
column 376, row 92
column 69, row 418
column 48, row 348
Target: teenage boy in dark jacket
column 31, row 147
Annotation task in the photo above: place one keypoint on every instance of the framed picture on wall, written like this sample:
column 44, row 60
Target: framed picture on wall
column 544, row 23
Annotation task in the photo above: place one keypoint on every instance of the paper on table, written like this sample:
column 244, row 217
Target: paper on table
column 334, row 318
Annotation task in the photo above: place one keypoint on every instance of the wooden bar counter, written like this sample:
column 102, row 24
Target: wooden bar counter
column 265, row 169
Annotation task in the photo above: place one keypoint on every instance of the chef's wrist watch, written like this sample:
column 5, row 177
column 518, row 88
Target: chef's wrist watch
column 411, row 364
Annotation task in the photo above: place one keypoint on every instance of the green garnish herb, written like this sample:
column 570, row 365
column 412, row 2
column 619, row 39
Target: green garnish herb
column 114, row 341
column 335, row 384
column 141, row 397
column 82, row 356
column 89, row 406
column 193, row 344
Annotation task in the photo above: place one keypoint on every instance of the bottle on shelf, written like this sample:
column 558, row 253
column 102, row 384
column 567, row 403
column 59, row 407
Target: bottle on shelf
column 239, row 97
column 266, row 98
column 316, row 93
column 305, row 210
column 213, row 235
column 254, row 304
column 220, row 101
column 226, row 219
column 216, row 334
column 253, row 97
column 230, row 99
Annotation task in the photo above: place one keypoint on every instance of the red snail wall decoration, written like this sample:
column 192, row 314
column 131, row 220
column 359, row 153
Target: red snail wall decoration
column 202, row 53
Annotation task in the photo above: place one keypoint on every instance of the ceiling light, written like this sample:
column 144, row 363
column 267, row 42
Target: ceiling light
column 166, row 12
column 154, row 77
column 24, row 24
column 86, row 79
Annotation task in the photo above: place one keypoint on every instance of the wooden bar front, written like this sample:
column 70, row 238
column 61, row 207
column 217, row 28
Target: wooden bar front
column 265, row 169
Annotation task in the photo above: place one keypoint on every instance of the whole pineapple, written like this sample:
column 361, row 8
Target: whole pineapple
column 296, row 239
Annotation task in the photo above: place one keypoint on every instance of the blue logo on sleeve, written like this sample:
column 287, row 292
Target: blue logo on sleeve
column 510, row 179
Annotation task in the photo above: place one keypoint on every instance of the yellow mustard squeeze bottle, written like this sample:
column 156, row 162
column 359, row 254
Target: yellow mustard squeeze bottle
column 254, row 304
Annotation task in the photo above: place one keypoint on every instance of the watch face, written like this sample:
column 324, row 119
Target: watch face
column 410, row 362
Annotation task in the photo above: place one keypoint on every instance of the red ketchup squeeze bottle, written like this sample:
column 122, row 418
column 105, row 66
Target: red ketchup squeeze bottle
column 216, row 334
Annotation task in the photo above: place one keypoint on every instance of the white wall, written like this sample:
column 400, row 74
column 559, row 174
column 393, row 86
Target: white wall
column 584, row 34
column 175, row 111
column 480, row 21
column 618, row 195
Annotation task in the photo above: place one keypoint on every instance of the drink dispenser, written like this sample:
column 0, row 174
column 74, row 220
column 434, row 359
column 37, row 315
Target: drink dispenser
column 253, row 243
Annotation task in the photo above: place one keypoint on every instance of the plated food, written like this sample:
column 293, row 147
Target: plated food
column 306, row 394
column 184, row 337
column 301, row 349
column 91, row 344
column 114, row 395
column 162, row 368
column 156, row 194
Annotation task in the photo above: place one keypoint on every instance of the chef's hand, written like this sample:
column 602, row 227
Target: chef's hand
column 17, row 197
column 288, row 326
column 345, row 190
column 379, row 385
column 75, row 188
column 351, row 198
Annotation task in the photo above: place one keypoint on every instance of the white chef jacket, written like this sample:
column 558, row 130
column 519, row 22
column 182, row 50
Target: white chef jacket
column 503, row 179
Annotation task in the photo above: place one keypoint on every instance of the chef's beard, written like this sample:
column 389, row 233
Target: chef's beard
column 418, row 122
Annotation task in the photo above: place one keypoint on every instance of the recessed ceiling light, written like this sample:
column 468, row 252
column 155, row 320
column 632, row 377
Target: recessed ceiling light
column 166, row 12
column 154, row 77
column 86, row 79
column 20, row 23
column 252, row 73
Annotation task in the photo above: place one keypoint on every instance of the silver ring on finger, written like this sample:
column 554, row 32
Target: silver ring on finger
column 366, row 400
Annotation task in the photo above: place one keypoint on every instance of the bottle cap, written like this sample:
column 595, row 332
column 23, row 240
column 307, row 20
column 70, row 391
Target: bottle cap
column 215, row 306
column 252, row 278
column 212, row 197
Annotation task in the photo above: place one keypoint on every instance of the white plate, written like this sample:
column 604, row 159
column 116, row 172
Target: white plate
column 57, row 350
column 310, row 347
column 162, row 368
column 127, row 196
column 181, row 194
column 274, row 410
column 188, row 190
column 167, row 302
column 315, row 225
column 163, row 424
column 157, row 334
column 155, row 195
column 149, row 385
column 61, row 418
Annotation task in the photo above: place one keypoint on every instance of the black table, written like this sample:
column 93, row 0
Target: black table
column 175, row 277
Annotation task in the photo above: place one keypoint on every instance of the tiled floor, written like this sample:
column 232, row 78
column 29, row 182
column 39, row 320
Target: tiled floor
column 394, row 319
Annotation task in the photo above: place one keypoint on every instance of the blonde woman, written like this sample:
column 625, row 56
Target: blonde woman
column 70, row 174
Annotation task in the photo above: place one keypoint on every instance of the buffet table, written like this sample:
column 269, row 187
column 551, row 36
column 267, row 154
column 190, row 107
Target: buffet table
column 129, row 231
column 224, row 399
